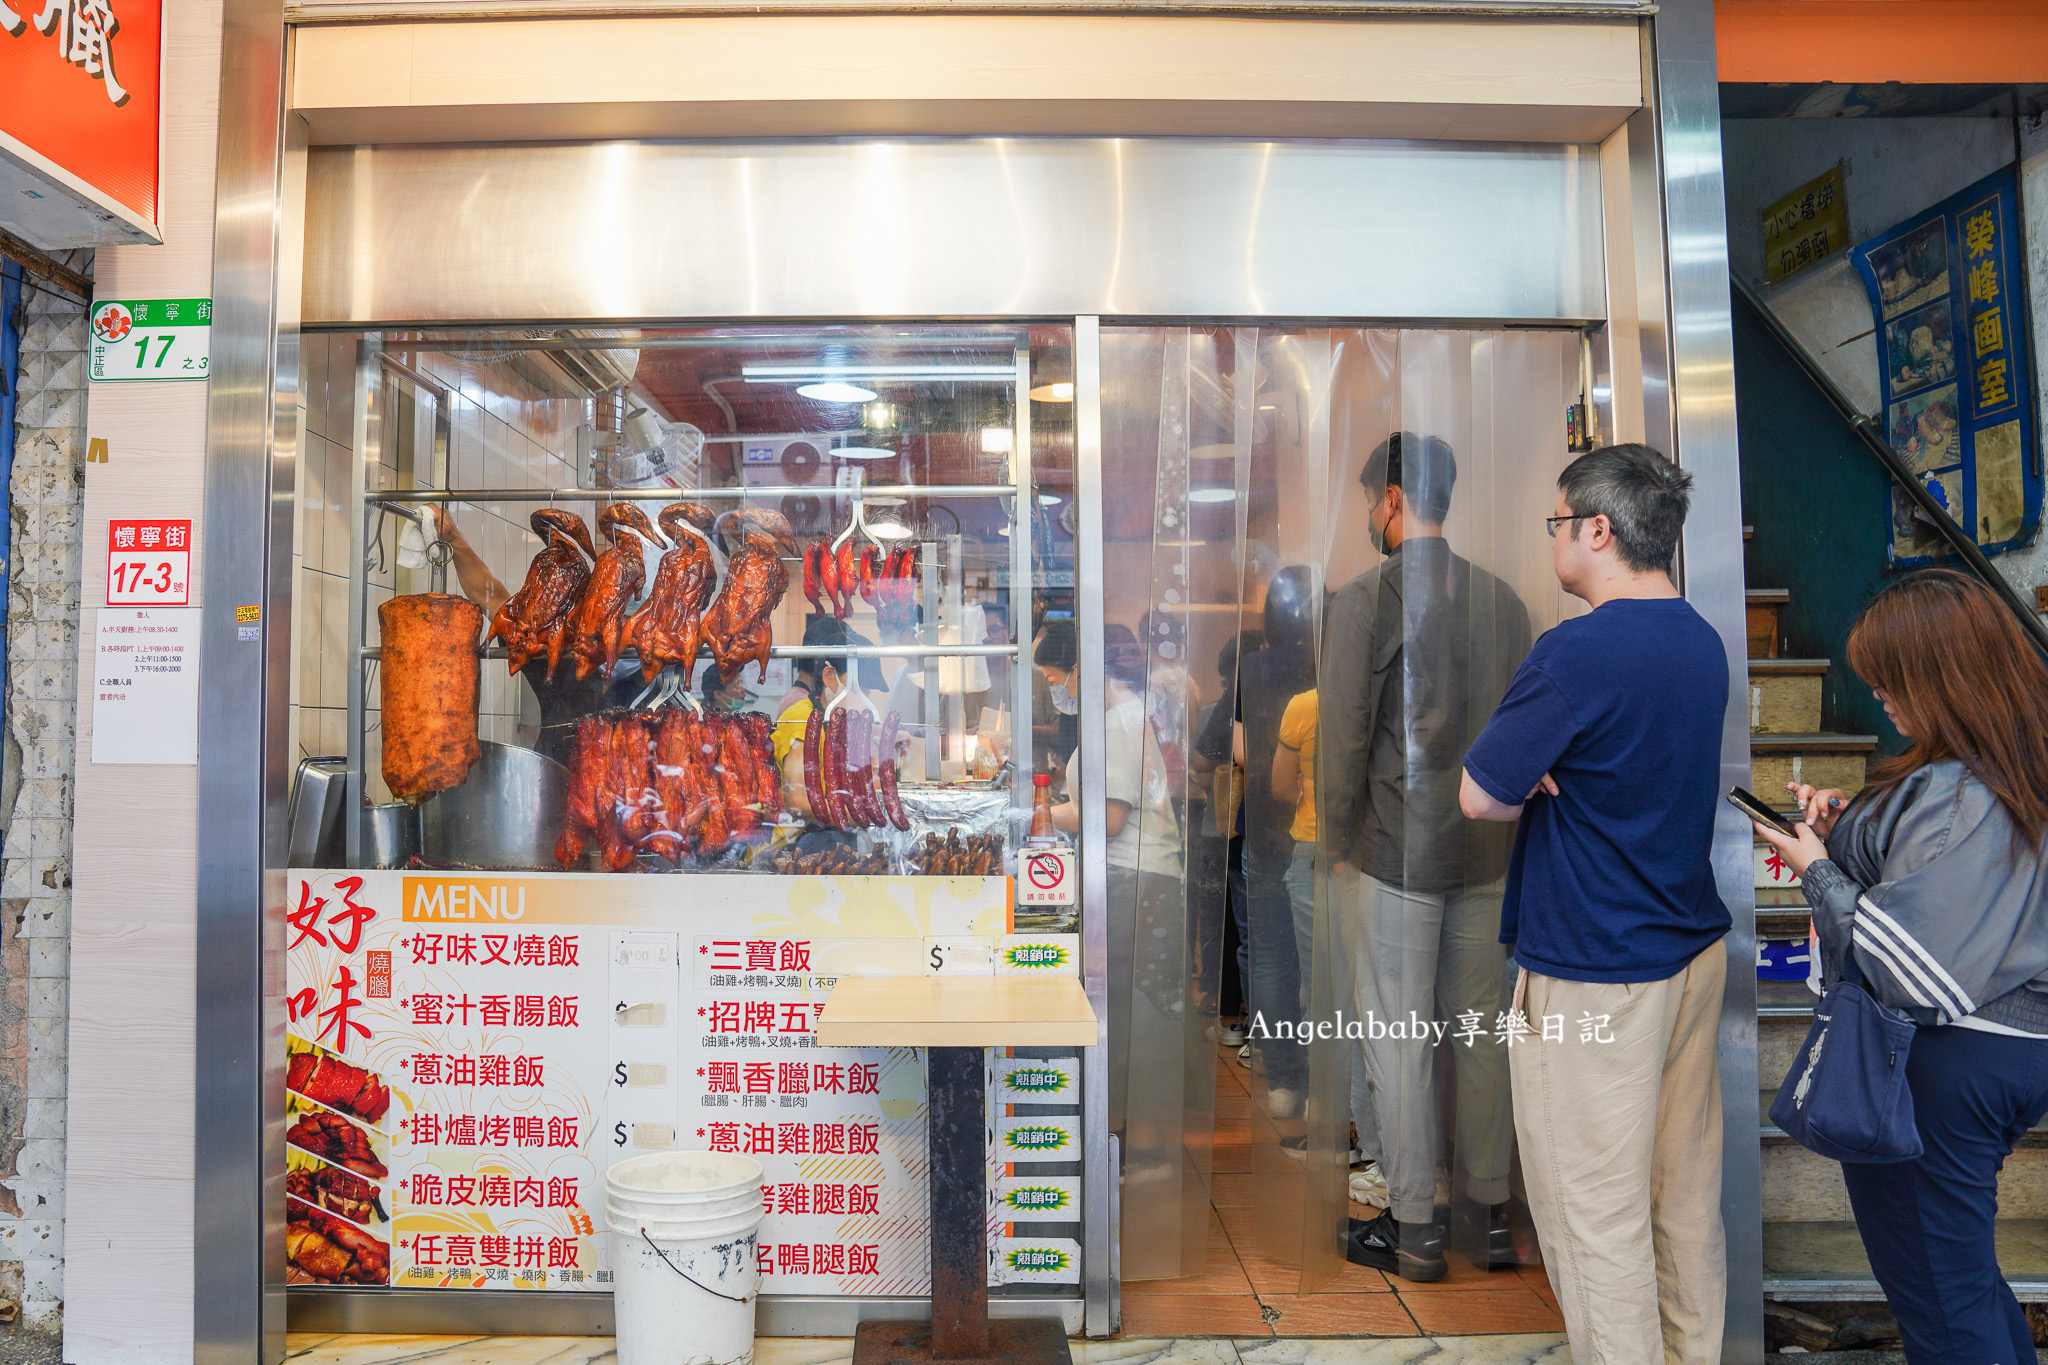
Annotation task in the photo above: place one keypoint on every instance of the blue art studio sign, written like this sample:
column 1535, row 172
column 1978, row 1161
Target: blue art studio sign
column 1952, row 346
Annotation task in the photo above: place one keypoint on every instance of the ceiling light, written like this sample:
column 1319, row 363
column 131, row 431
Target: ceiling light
column 1212, row 495
column 997, row 440
column 1003, row 531
column 836, row 391
column 889, row 530
column 1049, row 499
column 863, row 453
column 797, row 374
column 1054, row 393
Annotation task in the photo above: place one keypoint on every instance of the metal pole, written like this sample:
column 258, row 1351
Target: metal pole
column 1098, row 1178
column 1022, row 758
column 928, row 564
column 1945, row 526
column 870, row 492
column 356, row 785
column 1685, row 101
column 959, row 1172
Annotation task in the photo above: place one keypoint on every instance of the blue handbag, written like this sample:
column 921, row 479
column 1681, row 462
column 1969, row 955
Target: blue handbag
column 1846, row 1096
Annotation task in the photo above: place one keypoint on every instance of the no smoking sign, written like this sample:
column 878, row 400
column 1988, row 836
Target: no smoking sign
column 1046, row 876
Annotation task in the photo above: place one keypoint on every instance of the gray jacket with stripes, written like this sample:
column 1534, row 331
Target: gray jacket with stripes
column 1945, row 920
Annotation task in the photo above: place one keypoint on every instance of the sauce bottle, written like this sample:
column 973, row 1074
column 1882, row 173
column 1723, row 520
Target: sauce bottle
column 1041, row 806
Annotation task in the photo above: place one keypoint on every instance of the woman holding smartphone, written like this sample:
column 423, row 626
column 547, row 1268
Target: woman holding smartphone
column 1933, row 877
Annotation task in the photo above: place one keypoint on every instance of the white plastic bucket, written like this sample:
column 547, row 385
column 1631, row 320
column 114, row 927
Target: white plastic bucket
column 684, row 1274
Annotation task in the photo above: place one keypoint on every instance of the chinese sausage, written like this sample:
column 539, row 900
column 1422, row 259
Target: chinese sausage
column 535, row 619
column 427, row 688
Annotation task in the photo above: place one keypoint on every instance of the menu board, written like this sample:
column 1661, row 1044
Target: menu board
column 469, row 1053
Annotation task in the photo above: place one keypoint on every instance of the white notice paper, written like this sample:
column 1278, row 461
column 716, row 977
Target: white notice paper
column 145, row 696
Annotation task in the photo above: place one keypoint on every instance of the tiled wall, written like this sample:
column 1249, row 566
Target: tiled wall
column 35, row 877
column 507, row 427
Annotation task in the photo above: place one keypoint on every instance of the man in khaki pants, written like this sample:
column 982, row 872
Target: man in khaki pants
column 1607, row 748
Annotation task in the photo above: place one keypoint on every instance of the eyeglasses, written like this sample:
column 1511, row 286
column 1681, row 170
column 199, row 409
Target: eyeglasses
column 1550, row 523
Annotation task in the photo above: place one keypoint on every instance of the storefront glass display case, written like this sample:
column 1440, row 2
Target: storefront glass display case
column 670, row 674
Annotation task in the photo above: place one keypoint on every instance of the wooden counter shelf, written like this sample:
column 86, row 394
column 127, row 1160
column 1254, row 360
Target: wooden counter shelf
column 957, row 1011
column 955, row 1017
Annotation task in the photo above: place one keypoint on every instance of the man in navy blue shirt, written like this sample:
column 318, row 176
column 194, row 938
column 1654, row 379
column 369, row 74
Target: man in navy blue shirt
column 1607, row 749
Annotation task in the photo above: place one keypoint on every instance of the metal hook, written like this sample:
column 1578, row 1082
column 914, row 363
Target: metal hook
column 654, row 685
column 439, row 554
column 846, row 686
column 859, row 520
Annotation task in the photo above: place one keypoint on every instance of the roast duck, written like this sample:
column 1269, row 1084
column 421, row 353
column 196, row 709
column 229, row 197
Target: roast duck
column 337, row 1191
column 736, row 626
column 668, row 628
column 670, row 783
column 338, row 1085
column 333, row 1138
column 597, row 630
column 326, row 1249
column 535, row 619
column 427, row 690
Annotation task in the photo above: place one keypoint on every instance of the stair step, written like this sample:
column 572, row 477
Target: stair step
column 1783, row 922
column 1824, row 760
column 1814, row 742
column 1785, row 701
column 1819, row 1260
column 1763, row 606
column 1781, row 1000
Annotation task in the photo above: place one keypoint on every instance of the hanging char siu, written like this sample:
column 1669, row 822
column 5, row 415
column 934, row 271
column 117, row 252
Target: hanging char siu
column 670, row 783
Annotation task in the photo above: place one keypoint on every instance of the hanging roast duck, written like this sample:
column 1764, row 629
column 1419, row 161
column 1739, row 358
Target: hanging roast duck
column 669, row 626
column 536, row 618
column 736, row 626
column 597, row 634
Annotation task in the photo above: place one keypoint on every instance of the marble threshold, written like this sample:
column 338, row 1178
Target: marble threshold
column 315, row 1348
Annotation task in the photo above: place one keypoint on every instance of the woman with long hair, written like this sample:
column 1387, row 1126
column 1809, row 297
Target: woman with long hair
column 1932, row 876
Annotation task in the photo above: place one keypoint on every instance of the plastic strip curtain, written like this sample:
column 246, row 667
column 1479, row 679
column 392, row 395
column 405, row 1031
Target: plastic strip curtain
column 1433, row 603
column 1171, row 469
column 1233, row 463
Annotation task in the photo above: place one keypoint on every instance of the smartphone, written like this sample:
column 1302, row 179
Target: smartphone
column 1748, row 803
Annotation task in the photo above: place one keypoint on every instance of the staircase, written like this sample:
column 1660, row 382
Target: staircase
column 1811, row 1249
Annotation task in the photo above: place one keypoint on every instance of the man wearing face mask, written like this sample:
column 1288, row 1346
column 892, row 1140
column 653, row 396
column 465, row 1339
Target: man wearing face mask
column 1056, row 712
column 1417, row 652
column 720, row 695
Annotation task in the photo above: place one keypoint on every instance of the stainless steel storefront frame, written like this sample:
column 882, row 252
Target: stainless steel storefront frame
column 239, row 1299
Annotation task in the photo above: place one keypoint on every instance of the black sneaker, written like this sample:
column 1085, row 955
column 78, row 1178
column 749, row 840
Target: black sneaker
column 1484, row 1234
column 1414, row 1251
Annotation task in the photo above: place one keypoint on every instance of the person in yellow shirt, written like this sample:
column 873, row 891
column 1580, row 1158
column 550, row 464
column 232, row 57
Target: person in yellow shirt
column 817, row 679
column 1294, row 779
